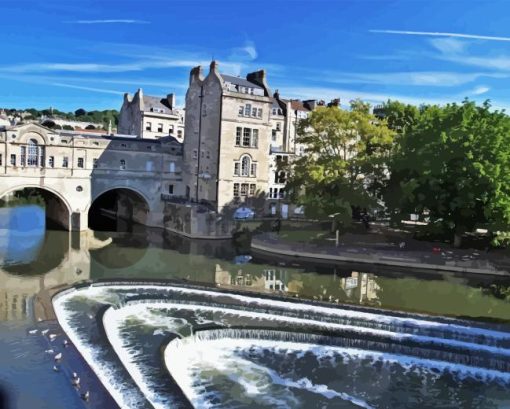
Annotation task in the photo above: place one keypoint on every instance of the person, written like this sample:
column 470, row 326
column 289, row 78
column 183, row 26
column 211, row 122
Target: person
column 364, row 219
column 277, row 225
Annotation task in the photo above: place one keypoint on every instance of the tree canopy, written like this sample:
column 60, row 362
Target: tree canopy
column 344, row 161
column 454, row 162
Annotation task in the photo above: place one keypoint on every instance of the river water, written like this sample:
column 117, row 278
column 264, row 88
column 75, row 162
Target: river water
column 44, row 259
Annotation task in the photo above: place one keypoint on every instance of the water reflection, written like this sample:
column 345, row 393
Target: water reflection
column 65, row 258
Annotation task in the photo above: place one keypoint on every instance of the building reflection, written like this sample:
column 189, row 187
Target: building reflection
column 355, row 287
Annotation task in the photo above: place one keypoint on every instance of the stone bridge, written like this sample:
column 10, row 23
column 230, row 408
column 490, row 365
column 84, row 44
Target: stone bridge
column 80, row 175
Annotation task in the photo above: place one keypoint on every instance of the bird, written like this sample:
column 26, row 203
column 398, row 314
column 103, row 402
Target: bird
column 66, row 343
column 56, row 368
column 49, row 351
column 74, row 375
column 85, row 396
column 75, row 382
column 44, row 331
column 32, row 331
column 58, row 357
column 52, row 336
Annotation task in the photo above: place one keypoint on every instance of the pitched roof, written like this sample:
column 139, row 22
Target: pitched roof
column 239, row 81
column 298, row 105
column 160, row 104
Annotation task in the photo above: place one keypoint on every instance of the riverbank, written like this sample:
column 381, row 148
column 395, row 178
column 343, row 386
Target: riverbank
column 435, row 259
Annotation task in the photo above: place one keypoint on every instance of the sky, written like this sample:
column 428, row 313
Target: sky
column 87, row 54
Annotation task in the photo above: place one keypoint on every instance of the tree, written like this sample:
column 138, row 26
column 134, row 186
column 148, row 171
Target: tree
column 399, row 116
column 344, row 162
column 454, row 162
column 80, row 112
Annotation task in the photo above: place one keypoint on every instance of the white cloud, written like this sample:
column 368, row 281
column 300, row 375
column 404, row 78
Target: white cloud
column 109, row 21
column 412, row 78
column 92, row 89
column 247, row 52
column 442, row 34
column 480, row 90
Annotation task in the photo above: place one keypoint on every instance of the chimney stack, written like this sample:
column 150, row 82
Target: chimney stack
column 171, row 100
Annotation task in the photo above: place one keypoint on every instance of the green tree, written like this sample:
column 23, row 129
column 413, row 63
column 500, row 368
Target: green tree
column 454, row 162
column 80, row 112
column 399, row 117
column 344, row 162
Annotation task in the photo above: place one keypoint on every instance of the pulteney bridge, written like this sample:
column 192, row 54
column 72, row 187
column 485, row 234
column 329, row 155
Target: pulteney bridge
column 81, row 175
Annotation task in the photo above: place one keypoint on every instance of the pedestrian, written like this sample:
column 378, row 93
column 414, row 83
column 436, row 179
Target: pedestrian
column 277, row 225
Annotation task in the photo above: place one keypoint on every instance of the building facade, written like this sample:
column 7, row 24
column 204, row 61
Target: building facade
column 150, row 117
column 228, row 130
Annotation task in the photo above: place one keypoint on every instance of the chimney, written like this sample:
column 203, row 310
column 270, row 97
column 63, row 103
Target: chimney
column 171, row 100
column 276, row 95
column 213, row 66
column 195, row 74
column 259, row 78
column 311, row 104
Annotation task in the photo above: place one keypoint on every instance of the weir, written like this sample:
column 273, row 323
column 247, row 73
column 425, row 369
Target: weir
column 135, row 322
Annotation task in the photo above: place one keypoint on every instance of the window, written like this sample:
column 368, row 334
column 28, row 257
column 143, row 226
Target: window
column 171, row 167
column 65, row 162
column 171, row 129
column 254, row 112
column 239, row 131
column 259, row 112
column 160, row 127
column 282, row 193
column 244, row 189
column 278, row 126
column 241, row 110
column 236, row 168
column 122, row 164
column 33, row 153
column 247, row 110
column 253, row 187
column 236, row 189
column 274, row 111
column 148, row 126
column 179, row 133
column 246, row 136
column 255, row 138
column 13, row 159
column 273, row 136
column 195, row 154
column 170, row 189
column 245, row 166
column 208, row 155
column 253, row 170
column 51, row 161
column 149, row 165
column 23, row 156
column 270, row 195
column 123, row 145
column 94, row 163
column 80, row 162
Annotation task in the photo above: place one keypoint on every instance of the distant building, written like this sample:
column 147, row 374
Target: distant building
column 150, row 117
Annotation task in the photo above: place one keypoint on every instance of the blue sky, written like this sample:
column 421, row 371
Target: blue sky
column 73, row 54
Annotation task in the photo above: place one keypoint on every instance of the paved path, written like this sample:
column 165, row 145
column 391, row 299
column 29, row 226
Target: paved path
column 467, row 261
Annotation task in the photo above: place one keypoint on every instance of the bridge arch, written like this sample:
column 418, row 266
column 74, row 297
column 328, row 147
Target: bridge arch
column 58, row 210
column 122, row 205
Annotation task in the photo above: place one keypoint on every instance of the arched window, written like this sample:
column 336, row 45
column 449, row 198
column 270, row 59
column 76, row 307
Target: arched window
column 32, row 153
column 245, row 166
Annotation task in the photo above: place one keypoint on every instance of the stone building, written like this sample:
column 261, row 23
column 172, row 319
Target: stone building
column 228, row 129
column 151, row 117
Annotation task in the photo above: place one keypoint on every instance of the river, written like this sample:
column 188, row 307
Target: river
column 33, row 264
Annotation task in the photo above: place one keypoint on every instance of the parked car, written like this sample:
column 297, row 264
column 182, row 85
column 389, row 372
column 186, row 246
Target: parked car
column 244, row 213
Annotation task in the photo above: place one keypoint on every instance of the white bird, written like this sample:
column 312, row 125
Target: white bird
column 32, row 331
column 85, row 396
column 49, row 351
column 75, row 381
column 66, row 343
column 55, row 368
column 44, row 331
column 52, row 336
column 58, row 357
column 90, row 316
column 74, row 375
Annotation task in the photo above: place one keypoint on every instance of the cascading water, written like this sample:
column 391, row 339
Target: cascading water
column 263, row 352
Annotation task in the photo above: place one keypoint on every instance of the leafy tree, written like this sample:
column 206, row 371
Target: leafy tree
column 399, row 116
column 80, row 112
column 454, row 162
column 344, row 162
